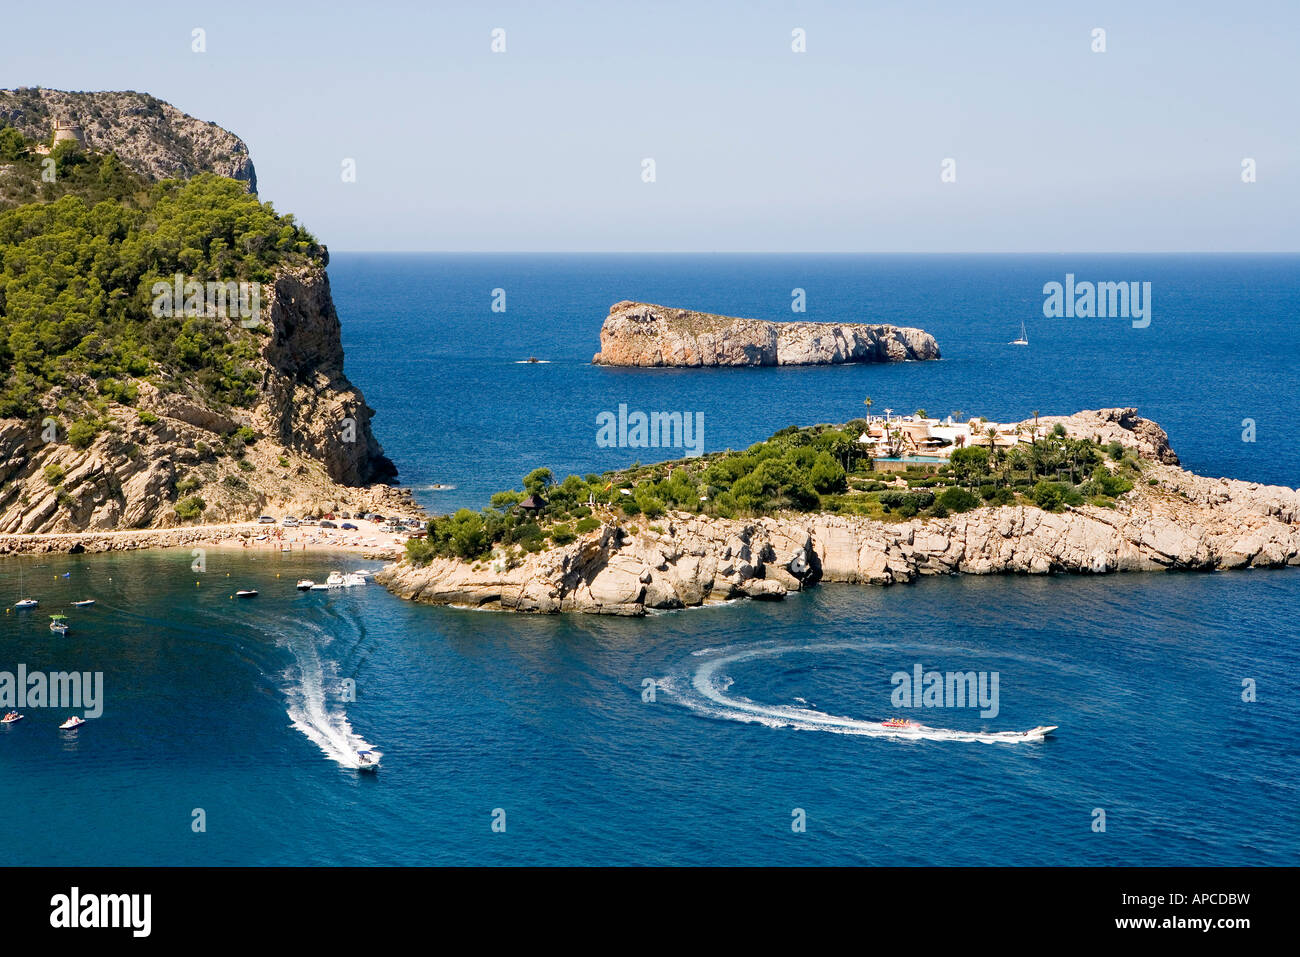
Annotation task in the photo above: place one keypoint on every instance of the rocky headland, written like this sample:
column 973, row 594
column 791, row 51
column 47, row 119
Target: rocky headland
column 642, row 334
column 1172, row 520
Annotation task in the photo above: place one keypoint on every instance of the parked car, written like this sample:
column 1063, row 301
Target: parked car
column 328, row 516
column 326, row 523
column 348, row 526
column 289, row 522
column 265, row 520
column 309, row 521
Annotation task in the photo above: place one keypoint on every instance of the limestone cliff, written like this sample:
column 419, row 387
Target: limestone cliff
column 641, row 334
column 1172, row 520
column 152, row 137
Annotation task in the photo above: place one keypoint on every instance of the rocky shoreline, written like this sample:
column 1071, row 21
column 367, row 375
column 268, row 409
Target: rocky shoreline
column 643, row 334
column 1173, row 520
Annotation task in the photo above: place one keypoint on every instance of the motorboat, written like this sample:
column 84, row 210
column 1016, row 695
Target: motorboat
column 72, row 723
column 368, row 760
column 335, row 580
column 13, row 717
column 246, row 593
column 59, row 624
column 26, row 603
column 319, row 586
column 1042, row 731
column 352, row 579
column 304, row 584
column 84, row 603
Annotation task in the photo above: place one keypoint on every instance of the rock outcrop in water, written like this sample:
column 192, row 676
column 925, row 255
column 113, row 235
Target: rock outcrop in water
column 1182, row 521
column 641, row 334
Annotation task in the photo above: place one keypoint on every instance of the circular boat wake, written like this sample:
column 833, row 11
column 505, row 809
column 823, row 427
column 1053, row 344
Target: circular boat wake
column 708, row 691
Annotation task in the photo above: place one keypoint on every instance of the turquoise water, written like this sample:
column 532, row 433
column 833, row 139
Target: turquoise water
column 236, row 708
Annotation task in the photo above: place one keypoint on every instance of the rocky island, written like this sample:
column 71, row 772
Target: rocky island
column 642, row 334
column 123, row 406
column 1136, row 511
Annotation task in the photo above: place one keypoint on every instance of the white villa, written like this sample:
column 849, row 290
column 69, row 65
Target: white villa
column 901, row 438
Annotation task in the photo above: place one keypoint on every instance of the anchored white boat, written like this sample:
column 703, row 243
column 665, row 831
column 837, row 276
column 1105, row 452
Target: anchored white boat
column 305, row 584
column 368, row 760
column 59, row 624
column 26, row 603
column 84, row 603
column 246, row 593
column 72, row 723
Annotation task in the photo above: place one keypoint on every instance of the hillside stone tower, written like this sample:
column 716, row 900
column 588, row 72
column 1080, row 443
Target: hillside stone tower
column 67, row 130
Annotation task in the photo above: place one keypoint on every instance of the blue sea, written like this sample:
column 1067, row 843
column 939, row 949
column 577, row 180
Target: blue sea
column 739, row 734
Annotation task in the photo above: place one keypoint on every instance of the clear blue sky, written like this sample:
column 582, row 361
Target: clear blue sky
column 757, row 148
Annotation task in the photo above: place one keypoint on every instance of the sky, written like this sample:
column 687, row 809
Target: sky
column 756, row 147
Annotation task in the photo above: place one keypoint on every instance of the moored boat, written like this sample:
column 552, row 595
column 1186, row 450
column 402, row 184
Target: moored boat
column 304, row 584
column 84, row 603
column 59, row 624
column 72, row 723
column 246, row 593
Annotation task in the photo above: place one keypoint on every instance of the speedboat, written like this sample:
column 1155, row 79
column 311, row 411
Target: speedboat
column 1042, row 731
column 368, row 760
column 335, row 580
column 898, row 723
column 246, row 593
column 352, row 578
column 59, row 624
column 304, row 584
column 72, row 723
column 84, row 603
column 13, row 717
column 26, row 603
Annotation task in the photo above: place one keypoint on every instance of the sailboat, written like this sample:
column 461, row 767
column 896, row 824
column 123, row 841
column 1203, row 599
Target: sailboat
column 1023, row 340
column 23, row 602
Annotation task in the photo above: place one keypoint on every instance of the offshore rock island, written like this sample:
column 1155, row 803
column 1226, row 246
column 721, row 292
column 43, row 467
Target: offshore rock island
column 1138, row 511
column 642, row 334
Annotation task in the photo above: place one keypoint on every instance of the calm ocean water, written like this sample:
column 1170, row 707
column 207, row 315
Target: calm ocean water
column 234, row 707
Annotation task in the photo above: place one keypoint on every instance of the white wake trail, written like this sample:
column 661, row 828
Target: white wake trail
column 317, row 713
column 714, row 700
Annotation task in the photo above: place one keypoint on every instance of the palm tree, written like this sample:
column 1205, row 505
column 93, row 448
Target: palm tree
column 956, row 415
column 992, row 434
column 921, row 414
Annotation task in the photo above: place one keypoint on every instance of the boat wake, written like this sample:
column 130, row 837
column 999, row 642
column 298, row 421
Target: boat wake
column 316, row 707
column 707, row 691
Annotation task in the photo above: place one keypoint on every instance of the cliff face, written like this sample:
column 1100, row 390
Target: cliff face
column 313, row 452
column 150, row 136
column 641, row 334
column 1183, row 521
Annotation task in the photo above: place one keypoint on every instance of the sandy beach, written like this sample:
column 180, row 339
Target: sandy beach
column 367, row 539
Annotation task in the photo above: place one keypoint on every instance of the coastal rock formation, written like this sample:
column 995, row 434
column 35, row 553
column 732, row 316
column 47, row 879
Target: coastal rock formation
column 1172, row 520
column 641, row 334
column 152, row 137
column 313, row 450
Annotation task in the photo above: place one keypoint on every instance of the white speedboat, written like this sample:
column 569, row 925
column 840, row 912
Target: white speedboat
column 1042, row 731
column 352, row 579
column 72, row 723
column 304, row 584
column 26, row 603
column 13, row 717
column 335, row 580
column 84, row 603
column 59, row 624
column 246, row 593
column 368, row 760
